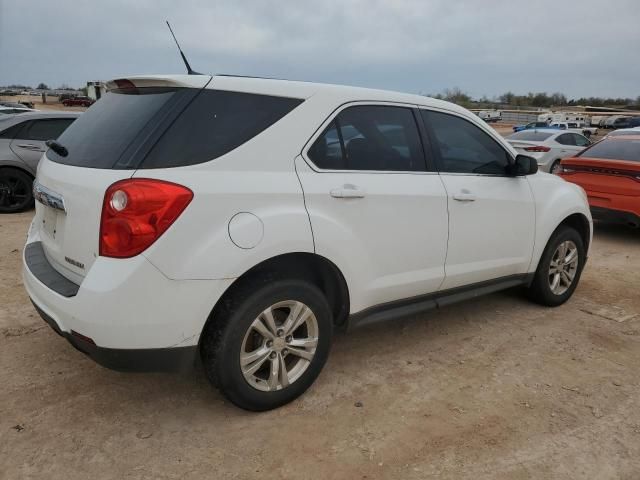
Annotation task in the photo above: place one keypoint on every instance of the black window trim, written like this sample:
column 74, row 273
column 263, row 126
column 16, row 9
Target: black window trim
column 435, row 153
column 333, row 117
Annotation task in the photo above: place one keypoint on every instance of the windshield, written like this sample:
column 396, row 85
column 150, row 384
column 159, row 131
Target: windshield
column 617, row 148
column 530, row 135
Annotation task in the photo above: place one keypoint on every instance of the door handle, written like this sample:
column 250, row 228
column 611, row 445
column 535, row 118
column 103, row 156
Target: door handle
column 464, row 197
column 347, row 191
column 30, row 146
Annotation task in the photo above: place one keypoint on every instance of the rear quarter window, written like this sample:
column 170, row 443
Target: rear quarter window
column 215, row 123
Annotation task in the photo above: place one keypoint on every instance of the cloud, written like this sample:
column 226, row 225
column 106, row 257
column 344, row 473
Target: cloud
column 483, row 47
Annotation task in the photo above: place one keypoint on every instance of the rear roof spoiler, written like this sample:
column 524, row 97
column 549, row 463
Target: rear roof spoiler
column 180, row 81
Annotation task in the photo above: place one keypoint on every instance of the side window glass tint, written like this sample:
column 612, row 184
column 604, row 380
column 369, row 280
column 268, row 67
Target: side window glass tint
column 463, row 147
column 12, row 132
column 580, row 141
column 326, row 151
column 565, row 139
column 214, row 124
column 41, row 130
column 379, row 138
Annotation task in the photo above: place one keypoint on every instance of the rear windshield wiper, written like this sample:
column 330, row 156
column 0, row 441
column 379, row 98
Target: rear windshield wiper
column 57, row 147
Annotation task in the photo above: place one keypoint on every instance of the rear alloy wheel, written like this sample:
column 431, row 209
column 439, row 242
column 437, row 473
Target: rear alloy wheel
column 559, row 268
column 267, row 343
column 279, row 346
column 555, row 167
column 16, row 192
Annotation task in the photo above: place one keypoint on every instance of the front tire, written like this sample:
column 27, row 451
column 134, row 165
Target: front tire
column 559, row 269
column 267, row 342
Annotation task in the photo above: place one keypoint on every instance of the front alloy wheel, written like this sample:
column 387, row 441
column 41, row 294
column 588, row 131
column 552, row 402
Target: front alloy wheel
column 563, row 267
column 559, row 268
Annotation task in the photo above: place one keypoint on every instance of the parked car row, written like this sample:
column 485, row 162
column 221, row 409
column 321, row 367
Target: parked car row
column 22, row 143
column 578, row 127
column 548, row 145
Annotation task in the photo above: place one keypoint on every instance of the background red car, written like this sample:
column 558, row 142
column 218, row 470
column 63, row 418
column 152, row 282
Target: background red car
column 609, row 171
column 78, row 102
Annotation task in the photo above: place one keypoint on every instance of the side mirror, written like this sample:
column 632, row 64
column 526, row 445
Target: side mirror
column 522, row 165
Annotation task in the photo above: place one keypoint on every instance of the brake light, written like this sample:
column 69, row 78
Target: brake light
column 537, row 148
column 136, row 212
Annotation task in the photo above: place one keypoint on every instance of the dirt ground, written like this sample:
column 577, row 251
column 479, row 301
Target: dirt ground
column 495, row 388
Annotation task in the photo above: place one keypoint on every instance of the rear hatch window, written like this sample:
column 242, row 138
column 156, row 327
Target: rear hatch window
column 530, row 136
column 616, row 148
column 167, row 127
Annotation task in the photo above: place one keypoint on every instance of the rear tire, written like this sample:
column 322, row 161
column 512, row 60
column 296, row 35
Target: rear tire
column 555, row 167
column 551, row 285
column 16, row 190
column 248, row 345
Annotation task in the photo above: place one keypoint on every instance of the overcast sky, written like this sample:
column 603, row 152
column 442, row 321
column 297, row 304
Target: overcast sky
column 484, row 47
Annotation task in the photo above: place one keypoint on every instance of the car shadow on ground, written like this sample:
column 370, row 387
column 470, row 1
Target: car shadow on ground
column 616, row 231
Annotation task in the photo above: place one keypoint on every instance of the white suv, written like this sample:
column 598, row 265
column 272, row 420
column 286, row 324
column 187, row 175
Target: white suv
column 239, row 221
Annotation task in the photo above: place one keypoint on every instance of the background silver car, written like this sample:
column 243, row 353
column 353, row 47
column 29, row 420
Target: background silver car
column 548, row 146
column 22, row 142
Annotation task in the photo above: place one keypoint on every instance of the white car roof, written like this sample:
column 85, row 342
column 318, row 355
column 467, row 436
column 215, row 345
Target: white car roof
column 632, row 129
column 288, row 88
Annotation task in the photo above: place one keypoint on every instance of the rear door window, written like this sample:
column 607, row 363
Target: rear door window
column 11, row 132
column 580, row 141
column 566, row 139
column 48, row 129
column 370, row 137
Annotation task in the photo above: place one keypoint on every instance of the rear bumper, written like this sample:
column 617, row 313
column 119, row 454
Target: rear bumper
column 135, row 318
column 176, row 359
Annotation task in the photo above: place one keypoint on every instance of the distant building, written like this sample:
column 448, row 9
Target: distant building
column 95, row 90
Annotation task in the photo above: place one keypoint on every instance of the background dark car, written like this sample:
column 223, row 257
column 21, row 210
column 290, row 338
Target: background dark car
column 78, row 102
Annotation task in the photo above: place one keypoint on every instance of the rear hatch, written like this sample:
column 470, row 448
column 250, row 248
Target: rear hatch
column 104, row 145
column 595, row 175
column 533, row 140
column 611, row 166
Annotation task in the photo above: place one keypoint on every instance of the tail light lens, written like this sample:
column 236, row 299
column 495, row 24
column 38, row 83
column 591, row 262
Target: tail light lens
column 136, row 212
column 537, row 148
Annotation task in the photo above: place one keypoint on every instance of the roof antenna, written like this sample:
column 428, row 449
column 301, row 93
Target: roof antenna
column 184, row 59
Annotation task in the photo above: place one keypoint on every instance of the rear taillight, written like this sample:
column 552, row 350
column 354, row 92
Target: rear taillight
column 136, row 212
column 537, row 148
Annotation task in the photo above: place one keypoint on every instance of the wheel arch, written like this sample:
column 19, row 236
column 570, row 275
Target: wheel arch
column 5, row 164
column 299, row 265
column 581, row 224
